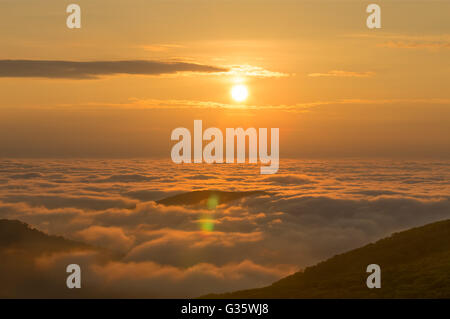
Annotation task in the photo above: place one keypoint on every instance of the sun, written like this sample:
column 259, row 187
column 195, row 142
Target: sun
column 239, row 93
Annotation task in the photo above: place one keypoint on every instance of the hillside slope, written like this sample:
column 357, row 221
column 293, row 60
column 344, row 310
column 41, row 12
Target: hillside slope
column 414, row 264
column 21, row 249
column 15, row 235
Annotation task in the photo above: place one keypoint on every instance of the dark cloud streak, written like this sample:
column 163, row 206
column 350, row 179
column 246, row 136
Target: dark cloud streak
column 95, row 69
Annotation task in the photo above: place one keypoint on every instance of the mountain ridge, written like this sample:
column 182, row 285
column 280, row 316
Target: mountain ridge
column 414, row 264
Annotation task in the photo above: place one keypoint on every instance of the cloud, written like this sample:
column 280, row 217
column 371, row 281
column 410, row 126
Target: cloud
column 60, row 201
column 201, row 177
column 289, row 179
column 168, row 281
column 407, row 41
column 26, row 176
column 125, row 178
column 253, row 71
column 136, row 103
column 113, row 238
column 161, row 47
column 376, row 192
column 185, row 248
column 316, row 209
column 95, row 69
column 416, row 45
column 145, row 279
column 343, row 74
column 149, row 195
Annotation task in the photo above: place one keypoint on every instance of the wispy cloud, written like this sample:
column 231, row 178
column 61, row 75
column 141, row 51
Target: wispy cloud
column 406, row 41
column 400, row 36
column 161, row 47
column 135, row 103
column 432, row 45
column 96, row 69
column 253, row 71
column 343, row 74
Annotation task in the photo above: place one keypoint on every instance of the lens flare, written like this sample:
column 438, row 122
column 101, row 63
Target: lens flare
column 207, row 224
column 207, row 220
column 212, row 202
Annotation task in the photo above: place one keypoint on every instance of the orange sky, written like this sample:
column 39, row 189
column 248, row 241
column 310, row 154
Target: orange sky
column 312, row 68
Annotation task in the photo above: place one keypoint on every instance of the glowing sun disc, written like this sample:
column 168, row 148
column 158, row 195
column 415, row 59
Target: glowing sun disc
column 239, row 93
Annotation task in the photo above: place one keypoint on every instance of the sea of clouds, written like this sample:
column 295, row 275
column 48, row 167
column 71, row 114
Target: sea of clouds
column 312, row 210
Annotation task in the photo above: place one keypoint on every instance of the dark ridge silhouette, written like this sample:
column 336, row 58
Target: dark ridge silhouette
column 202, row 197
column 18, row 235
column 21, row 246
column 414, row 264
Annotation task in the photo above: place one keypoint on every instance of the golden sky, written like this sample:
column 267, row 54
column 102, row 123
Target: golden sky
column 312, row 68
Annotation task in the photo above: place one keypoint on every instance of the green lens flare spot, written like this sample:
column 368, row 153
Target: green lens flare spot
column 213, row 201
column 207, row 225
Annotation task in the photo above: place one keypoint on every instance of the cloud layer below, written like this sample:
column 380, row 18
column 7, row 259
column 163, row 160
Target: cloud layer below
column 312, row 210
